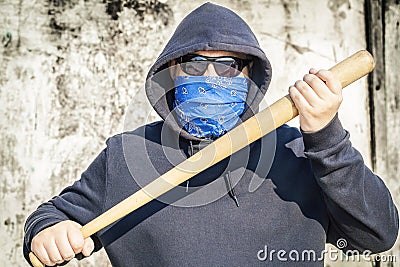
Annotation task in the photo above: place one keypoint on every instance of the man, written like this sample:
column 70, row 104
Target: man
column 211, row 76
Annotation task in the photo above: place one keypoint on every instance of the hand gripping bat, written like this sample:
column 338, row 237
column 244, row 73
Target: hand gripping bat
column 282, row 111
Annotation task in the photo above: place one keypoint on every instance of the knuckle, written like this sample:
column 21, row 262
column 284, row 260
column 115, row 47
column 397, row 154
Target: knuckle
column 68, row 256
column 298, row 83
column 76, row 244
column 89, row 245
column 336, row 101
column 328, row 74
column 292, row 91
column 73, row 224
column 313, row 116
column 309, row 77
column 306, row 111
column 295, row 96
column 75, row 239
column 67, row 224
column 48, row 262
column 323, row 71
column 35, row 242
column 316, row 111
column 331, row 105
column 56, row 259
column 76, row 248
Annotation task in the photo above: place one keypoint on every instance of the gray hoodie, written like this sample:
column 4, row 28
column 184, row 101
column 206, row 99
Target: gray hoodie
column 296, row 191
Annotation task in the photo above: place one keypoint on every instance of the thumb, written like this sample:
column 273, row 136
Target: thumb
column 88, row 247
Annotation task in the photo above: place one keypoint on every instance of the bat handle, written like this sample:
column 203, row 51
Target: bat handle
column 35, row 261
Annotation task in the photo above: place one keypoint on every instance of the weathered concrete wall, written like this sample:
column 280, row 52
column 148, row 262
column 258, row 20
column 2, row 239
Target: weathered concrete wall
column 70, row 68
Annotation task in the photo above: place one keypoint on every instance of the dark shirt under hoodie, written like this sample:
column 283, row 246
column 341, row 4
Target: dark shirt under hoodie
column 296, row 191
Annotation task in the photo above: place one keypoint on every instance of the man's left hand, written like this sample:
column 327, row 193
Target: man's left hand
column 317, row 97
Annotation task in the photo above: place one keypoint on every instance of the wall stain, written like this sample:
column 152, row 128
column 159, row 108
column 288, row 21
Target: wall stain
column 55, row 9
column 339, row 14
column 288, row 7
column 8, row 160
column 335, row 5
column 6, row 40
column 7, row 222
column 142, row 7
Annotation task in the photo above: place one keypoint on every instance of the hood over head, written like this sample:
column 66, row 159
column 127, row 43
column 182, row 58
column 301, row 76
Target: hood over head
column 209, row 27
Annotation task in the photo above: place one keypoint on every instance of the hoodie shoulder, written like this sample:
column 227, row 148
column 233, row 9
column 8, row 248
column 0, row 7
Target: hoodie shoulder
column 147, row 131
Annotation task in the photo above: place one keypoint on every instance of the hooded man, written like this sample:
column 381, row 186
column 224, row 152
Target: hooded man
column 289, row 191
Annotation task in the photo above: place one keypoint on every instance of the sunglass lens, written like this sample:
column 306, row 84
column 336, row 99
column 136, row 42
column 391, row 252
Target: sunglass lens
column 227, row 68
column 195, row 68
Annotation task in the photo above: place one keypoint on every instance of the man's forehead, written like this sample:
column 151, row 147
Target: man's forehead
column 218, row 53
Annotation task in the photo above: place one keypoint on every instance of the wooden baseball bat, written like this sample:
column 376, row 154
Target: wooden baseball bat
column 283, row 110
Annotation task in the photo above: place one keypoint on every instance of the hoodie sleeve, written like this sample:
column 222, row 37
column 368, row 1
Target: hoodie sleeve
column 80, row 202
column 360, row 206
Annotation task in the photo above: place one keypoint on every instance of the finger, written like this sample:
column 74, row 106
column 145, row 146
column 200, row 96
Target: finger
column 317, row 85
column 75, row 239
column 298, row 99
column 313, row 71
column 308, row 93
column 65, row 249
column 88, row 247
column 53, row 252
column 41, row 253
column 331, row 81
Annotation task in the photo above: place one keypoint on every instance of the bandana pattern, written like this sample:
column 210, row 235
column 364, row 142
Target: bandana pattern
column 209, row 106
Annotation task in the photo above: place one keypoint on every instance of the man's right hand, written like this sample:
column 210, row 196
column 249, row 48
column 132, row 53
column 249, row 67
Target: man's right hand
column 60, row 243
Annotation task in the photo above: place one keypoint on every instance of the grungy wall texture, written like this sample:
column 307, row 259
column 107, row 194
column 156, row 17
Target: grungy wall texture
column 73, row 70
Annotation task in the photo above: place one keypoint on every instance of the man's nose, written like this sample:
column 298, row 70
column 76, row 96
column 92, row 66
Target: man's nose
column 210, row 71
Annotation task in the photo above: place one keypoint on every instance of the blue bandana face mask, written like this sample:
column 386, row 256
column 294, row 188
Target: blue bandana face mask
column 209, row 106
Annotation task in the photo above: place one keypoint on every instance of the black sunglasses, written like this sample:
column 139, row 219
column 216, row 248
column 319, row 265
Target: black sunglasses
column 226, row 66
